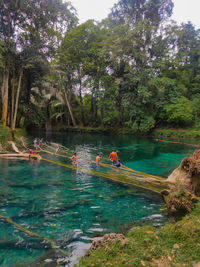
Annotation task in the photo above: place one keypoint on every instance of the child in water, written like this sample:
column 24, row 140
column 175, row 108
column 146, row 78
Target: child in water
column 118, row 164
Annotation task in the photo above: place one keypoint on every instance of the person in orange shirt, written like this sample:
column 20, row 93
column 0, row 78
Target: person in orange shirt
column 113, row 156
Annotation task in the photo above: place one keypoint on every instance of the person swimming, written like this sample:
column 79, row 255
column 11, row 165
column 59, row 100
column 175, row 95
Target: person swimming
column 98, row 159
column 74, row 159
column 118, row 164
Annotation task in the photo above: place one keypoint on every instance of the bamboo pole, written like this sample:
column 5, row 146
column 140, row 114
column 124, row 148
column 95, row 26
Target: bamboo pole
column 148, row 183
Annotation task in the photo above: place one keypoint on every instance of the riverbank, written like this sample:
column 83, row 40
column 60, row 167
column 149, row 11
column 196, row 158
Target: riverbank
column 177, row 134
column 175, row 244
column 171, row 133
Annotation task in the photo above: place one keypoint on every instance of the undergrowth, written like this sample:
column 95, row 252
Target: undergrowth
column 6, row 134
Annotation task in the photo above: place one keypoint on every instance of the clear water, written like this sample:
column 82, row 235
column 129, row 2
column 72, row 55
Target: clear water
column 71, row 207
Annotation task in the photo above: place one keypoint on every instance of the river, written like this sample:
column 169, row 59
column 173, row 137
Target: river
column 71, row 207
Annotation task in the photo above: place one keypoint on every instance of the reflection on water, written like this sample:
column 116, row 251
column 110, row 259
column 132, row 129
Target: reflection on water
column 71, row 207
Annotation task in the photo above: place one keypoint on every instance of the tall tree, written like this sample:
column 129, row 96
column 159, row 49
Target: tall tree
column 28, row 23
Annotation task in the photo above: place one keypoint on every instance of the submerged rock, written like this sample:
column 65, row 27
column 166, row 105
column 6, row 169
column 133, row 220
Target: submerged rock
column 51, row 258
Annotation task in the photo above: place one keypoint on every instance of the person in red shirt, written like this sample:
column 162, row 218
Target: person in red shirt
column 31, row 153
column 113, row 156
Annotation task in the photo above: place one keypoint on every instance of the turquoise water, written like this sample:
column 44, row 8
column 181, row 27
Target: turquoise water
column 71, row 207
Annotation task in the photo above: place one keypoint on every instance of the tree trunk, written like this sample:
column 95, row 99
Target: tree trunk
column 48, row 125
column 3, row 85
column 102, row 109
column 12, row 98
column 70, row 108
column 95, row 103
column 5, row 98
column 17, row 98
column 92, row 103
column 28, row 86
column 81, row 101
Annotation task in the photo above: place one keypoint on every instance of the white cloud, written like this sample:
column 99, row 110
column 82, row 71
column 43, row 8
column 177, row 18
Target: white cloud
column 184, row 10
column 187, row 10
column 93, row 9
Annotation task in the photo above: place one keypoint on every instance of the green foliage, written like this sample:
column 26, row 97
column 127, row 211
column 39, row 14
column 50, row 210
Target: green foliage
column 30, row 32
column 5, row 134
column 176, row 134
column 143, row 125
column 112, row 118
column 131, row 70
column 196, row 105
column 180, row 113
column 147, row 124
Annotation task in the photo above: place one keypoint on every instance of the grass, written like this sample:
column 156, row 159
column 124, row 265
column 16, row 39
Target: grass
column 176, row 244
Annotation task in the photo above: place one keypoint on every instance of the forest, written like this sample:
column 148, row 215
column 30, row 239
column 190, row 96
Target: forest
column 135, row 69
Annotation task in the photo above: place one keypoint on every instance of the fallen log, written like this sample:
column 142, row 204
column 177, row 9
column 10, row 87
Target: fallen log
column 6, row 155
column 50, row 242
column 14, row 147
column 19, row 156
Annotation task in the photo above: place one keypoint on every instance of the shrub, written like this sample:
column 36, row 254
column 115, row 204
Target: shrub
column 180, row 113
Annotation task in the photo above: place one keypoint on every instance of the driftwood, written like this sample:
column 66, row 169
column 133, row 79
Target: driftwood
column 185, row 184
column 18, row 154
column 14, row 147
column 7, row 155
column 188, row 173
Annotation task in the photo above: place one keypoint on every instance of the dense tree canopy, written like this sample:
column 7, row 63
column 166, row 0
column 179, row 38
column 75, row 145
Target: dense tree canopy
column 135, row 69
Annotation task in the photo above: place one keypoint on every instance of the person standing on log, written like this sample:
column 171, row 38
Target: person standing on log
column 113, row 156
column 35, row 144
